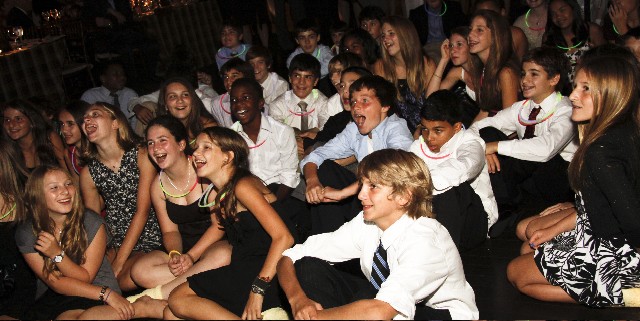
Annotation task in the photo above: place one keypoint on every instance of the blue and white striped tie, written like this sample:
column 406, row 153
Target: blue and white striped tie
column 380, row 268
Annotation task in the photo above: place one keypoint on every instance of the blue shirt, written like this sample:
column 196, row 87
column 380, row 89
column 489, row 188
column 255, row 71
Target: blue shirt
column 392, row 132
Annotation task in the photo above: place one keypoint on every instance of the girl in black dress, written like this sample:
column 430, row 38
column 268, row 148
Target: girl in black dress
column 189, row 237
column 247, row 212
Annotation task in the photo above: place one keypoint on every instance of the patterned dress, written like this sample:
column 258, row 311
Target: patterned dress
column 410, row 106
column 592, row 270
column 120, row 193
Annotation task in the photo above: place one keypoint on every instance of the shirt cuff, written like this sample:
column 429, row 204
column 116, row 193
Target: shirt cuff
column 294, row 253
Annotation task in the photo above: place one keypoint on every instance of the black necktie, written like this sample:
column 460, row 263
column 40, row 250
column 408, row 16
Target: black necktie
column 116, row 102
column 531, row 129
column 380, row 268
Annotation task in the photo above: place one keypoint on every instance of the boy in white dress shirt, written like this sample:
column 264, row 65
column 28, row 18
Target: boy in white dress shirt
column 412, row 267
column 220, row 106
column 273, row 85
column 463, row 199
column 535, row 164
column 308, row 40
column 272, row 145
column 113, row 90
column 288, row 108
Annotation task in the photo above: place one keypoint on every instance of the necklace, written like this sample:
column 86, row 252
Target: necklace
column 244, row 48
column 422, row 143
column 527, row 122
column 9, row 212
column 222, row 106
column 257, row 145
column 195, row 183
column 569, row 48
column 317, row 55
column 436, row 14
column 202, row 202
column 526, row 22
column 73, row 160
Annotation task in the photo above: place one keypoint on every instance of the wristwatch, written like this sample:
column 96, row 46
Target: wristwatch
column 58, row 258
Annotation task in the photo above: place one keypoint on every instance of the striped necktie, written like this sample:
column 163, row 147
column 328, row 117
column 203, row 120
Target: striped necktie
column 380, row 268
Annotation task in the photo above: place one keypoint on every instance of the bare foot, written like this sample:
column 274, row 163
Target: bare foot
column 147, row 307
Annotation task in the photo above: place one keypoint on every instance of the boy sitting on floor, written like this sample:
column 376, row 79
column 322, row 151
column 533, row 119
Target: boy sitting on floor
column 333, row 187
column 536, row 162
column 463, row 199
column 412, row 268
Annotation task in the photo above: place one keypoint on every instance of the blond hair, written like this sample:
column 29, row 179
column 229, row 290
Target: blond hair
column 613, row 84
column 405, row 173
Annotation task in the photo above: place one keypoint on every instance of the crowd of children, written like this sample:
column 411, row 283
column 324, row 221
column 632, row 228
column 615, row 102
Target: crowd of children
column 344, row 192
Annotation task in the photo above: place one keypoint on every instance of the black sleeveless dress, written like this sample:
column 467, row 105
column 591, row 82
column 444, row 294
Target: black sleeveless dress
column 230, row 285
column 192, row 220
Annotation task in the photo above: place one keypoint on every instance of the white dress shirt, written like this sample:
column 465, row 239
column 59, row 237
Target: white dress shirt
column 274, row 156
column 461, row 159
column 103, row 94
column 552, row 136
column 273, row 87
column 424, row 262
column 322, row 53
column 334, row 105
column 285, row 109
column 220, row 108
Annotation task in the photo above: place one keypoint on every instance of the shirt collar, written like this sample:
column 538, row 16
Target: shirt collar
column 107, row 92
column 391, row 234
column 380, row 127
column 264, row 125
column 549, row 103
column 450, row 145
column 309, row 99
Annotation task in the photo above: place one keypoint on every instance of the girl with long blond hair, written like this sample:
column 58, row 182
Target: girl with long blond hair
column 118, row 175
column 64, row 246
column 594, row 260
column 404, row 65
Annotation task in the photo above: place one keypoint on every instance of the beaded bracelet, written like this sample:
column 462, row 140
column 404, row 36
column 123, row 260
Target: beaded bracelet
column 102, row 292
column 260, row 285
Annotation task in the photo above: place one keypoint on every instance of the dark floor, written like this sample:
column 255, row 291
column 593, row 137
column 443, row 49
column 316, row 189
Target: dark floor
column 485, row 269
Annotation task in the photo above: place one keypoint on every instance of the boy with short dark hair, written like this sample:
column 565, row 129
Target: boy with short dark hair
column 303, row 107
column 273, row 85
column 374, row 127
column 272, row 145
column 308, row 37
column 219, row 107
column 536, row 162
column 463, row 199
column 371, row 20
column 232, row 46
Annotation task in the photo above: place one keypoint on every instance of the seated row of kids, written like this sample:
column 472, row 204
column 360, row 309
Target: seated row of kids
column 256, row 221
